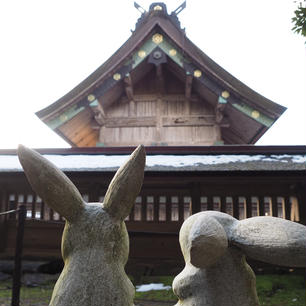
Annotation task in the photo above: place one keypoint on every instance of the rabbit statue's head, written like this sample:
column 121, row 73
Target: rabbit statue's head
column 214, row 246
column 95, row 242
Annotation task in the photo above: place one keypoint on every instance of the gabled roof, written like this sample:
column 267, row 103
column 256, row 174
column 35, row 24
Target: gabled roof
column 249, row 114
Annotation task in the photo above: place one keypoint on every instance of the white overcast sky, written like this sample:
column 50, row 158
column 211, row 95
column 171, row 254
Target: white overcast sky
column 48, row 47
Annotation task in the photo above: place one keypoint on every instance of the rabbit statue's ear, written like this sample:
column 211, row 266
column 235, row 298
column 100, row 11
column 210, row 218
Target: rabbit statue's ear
column 272, row 240
column 125, row 186
column 51, row 184
column 203, row 240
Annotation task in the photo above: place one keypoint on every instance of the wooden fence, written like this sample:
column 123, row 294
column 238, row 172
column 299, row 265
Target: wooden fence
column 165, row 201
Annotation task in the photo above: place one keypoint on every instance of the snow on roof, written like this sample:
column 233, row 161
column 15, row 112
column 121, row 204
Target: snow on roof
column 10, row 163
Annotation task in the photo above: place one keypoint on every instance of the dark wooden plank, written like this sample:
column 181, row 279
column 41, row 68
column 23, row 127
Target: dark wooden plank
column 181, row 205
column 144, row 207
column 168, row 208
column 228, row 149
column 236, row 207
column 33, row 213
column 195, row 198
column 3, row 207
column 287, row 207
column 51, row 214
column 130, row 122
column 261, row 200
column 42, row 210
column 223, row 204
column 210, row 202
column 188, row 86
column 274, row 206
column 248, row 207
column 188, row 121
column 156, row 208
column 128, row 86
column 160, row 80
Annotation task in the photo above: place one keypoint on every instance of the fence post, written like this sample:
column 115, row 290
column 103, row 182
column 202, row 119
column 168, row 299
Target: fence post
column 18, row 255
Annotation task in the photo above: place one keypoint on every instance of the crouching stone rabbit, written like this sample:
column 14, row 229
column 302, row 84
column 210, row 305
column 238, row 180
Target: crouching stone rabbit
column 95, row 242
column 214, row 246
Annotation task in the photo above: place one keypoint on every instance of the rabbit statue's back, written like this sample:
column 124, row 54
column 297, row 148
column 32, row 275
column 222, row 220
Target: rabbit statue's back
column 95, row 242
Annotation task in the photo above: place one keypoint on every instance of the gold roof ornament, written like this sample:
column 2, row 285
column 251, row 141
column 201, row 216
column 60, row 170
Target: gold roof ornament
column 172, row 52
column 255, row 114
column 197, row 73
column 142, row 53
column 117, row 76
column 91, row 98
column 63, row 118
column 225, row 94
column 157, row 38
column 158, row 8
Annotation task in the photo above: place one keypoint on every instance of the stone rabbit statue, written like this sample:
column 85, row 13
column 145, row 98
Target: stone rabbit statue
column 214, row 246
column 95, row 242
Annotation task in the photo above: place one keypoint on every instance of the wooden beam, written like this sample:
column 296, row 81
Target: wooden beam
column 128, row 86
column 219, row 111
column 129, row 91
column 99, row 115
column 190, row 121
column 160, row 81
column 130, row 122
column 188, row 86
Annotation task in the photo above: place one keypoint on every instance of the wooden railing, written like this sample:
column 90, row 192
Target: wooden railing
column 175, row 207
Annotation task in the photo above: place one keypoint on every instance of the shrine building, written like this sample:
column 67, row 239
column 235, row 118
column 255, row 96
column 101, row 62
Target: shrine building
column 199, row 125
column 160, row 89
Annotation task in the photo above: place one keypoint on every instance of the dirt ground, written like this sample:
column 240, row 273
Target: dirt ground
column 7, row 302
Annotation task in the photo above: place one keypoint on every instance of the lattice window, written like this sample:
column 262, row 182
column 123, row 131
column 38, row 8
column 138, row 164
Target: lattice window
column 294, row 213
column 242, row 207
column 216, row 203
column 203, row 202
column 162, row 208
column 150, row 208
column 187, row 207
column 229, row 205
column 137, row 209
column 267, row 206
column 174, row 208
column 255, row 206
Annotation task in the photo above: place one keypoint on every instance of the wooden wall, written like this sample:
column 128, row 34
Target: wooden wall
column 165, row 201
column 159, row 120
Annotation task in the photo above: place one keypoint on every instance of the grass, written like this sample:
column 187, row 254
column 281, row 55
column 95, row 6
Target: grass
column 281, row 290
column 273, row 290
column 29, row 296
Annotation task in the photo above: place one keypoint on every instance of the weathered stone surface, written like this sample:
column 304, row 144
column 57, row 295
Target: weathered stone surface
column 214, row 245
column 272, row 240
column 95, row 241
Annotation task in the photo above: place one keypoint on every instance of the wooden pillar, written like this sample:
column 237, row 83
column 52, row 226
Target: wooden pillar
column 33, row 213
column 274, row 206
column 159, row 114
column 301, row 196
column 168, row 208
column 181, row 207
column 248, row 207
column 210, row 204
column 223, row 204
column 155, row 208
column 3, row 207
column 195, row 198
column 236, row 207
column 287, row 207
column 261, row 205
column 144, row 207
